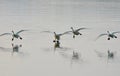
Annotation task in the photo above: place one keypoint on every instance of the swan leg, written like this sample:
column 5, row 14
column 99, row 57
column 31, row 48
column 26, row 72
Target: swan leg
column 108, row 38
column 21, row 38
column 12, row 38
column 80, row 34
column 54, row 40
column 115, row 36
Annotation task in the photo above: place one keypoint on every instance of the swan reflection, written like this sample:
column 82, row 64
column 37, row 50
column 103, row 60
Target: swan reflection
column 56, row 45
column 73, row 56
column 108, row 55
column 15, row 49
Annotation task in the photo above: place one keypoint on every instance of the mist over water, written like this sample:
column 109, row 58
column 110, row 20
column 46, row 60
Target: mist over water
column 36, row 53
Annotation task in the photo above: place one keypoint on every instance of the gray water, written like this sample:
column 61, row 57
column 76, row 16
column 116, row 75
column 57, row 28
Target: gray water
column 36, row 54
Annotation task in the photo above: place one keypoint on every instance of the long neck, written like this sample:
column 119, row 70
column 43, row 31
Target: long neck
column 54, row 33
column 108, row 32
column 108, row 52
column 13, row 32
column 72, row 28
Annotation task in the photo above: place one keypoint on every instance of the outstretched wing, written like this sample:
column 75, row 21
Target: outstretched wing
column 100, row 36
column 116, row 32
column 20, row 31
column 80, row 29
column 68, row 32
column 46, row 32
column 5, row 34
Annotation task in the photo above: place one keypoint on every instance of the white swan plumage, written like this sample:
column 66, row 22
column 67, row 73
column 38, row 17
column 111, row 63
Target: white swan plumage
column 56, row 35
column 76, row 32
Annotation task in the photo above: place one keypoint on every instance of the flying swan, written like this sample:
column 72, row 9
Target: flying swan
column 14, row 35
column 76, row 32
column 110, row 35
column 56, row 35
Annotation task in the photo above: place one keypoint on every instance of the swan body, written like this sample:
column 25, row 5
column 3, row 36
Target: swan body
column 110, row 35
column 14, row 35
column 57, row 36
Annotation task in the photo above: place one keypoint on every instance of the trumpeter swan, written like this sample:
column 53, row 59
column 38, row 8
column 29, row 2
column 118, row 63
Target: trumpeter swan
column 14, row 35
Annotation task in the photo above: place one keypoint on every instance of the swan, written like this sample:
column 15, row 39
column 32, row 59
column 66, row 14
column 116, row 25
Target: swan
column 14, row 35
column 56, row 35
column 110, row 35
column 76, row 32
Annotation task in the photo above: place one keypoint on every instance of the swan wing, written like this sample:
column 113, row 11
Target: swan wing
column 116, row 32
column 46, row 32
column 20, row 31
column 68, row 32
column 5, row 34
column 100, row 36
column 81, row 29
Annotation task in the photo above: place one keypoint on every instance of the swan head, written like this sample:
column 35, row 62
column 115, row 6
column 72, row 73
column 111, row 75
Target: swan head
column 54, row 33
column 71, row 27
column 12, row 31
column 108, row 52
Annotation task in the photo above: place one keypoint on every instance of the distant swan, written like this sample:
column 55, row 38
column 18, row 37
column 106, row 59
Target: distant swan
column 110, row 35
column 57, row 36
column 76, row 32
column 14, row 35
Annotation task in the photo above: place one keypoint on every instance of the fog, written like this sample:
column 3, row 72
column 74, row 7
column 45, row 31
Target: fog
column 36, row 53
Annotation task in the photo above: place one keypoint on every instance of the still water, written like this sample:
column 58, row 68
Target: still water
column 36, row 54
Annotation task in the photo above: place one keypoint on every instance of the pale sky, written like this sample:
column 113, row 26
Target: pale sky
column 60, row 12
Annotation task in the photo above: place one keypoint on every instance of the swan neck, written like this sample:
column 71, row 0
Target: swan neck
column 108, row 32
column 13, row 32
column 72, row 28
column 54, row 33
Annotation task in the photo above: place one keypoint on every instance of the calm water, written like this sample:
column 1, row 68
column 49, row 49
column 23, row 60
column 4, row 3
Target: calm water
column 36, row 53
